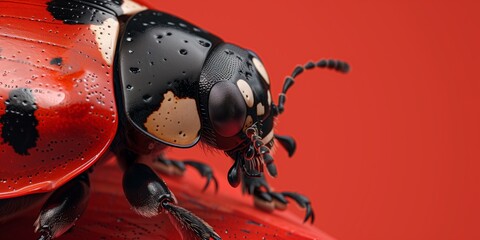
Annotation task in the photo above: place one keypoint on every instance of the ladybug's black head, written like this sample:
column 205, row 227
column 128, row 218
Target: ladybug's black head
column 235, row 97
column 237, row 109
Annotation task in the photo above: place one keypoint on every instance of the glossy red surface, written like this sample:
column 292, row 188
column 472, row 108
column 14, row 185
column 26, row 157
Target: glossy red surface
column 109, row 215
column 76, row 107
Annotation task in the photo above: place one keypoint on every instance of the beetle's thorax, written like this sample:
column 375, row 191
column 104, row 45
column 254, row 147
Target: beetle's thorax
column 160, row 58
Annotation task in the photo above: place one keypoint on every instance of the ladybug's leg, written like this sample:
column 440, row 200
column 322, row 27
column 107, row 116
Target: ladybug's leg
column 149, row 195
column 268, row 200
column 177, row 168
column 63, row 208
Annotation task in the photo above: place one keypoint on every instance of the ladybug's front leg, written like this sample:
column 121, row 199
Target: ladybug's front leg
column 178, row 168
column 63, row 208
column 268, row 200
column 149, row 195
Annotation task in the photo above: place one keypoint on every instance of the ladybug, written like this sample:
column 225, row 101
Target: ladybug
column 81, row 81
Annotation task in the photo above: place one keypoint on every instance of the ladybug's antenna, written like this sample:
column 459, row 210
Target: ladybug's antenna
column 336, row 65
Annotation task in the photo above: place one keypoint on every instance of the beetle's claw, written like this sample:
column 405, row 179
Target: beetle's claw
column 45, row 234
column 177, row 168
column 279, row 197
column 252, row 183
column 209, row 178
column 204, row 170
column 303, row 202
column 268, row 200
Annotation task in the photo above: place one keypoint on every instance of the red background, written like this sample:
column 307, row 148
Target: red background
column 389, row 151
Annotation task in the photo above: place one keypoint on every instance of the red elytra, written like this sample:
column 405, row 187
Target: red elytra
column 75, row 101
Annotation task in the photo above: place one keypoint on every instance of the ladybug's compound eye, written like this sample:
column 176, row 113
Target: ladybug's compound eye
column 227, row 109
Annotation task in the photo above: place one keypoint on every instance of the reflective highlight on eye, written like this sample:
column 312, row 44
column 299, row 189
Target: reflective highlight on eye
column 227, row 109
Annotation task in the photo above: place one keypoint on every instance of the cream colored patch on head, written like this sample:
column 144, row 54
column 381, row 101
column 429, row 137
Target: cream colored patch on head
column 176, row 121
column 261, row 69
column 269, row 98
column 246, row 91
column 248, row 123
column 130, row 7
column 260, row 109
column 106, row 38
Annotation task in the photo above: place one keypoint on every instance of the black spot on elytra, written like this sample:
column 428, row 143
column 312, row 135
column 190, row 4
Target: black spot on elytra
column 85, row 11
column 19, row 125
column 56, row 61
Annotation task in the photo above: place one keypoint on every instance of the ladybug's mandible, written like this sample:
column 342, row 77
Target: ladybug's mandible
column 80, row 79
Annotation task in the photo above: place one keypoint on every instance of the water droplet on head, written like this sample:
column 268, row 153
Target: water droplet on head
column 204, row 43
column 134, row 70
column 147, row 98
column 183, row 51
